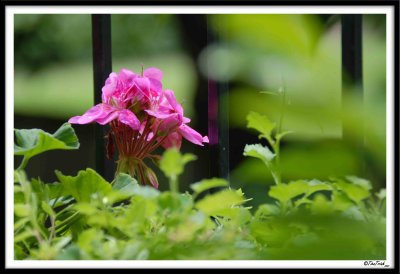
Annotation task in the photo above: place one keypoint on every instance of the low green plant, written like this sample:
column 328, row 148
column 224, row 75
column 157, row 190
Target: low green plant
column 85, row 217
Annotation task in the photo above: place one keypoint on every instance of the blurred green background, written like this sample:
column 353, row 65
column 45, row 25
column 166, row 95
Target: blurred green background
column 252, row 53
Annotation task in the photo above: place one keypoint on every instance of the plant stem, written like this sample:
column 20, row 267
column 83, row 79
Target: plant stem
column 23, row 164
column 173, row 184
column 66, row 221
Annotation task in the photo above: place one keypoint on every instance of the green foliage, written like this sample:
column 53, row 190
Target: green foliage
column 84, row 217
column 207, row 184
column 328, row 216
column 31, row 142
column 258, row 151
column 262, row 124
column 173, row 163
column 82, row 186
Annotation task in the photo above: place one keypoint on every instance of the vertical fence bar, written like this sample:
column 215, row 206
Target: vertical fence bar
column 218, row 121
column 102, row 67
column 352, row 77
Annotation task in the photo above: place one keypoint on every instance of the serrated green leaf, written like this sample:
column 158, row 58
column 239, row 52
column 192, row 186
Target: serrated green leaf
column 173, row 162
column 207, row 184
column 315, row 185
column 212, row 204
column 87, row 183
column 258, row 151
column 341, row 201
column 321, row 205
column 360, row 182
column 262, row 124
column 267, row 210
column 31, row 142
column 285, row 192
column 355, row 192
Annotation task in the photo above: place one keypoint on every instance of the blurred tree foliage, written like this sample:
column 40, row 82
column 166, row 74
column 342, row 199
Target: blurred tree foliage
column 53, row 59
column 41, row 40
column 301, row 55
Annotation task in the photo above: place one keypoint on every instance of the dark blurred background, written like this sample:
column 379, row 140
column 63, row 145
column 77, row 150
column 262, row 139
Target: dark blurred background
column 247, row 54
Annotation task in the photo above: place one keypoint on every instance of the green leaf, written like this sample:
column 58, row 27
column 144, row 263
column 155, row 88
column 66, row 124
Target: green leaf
column 355, row 192
column 315, row 185
column 360, row 182
column 321, row 205
column 279, row 136
column 31, row 142
column 125, row 184
column 147, row 192
column 215, row 203
column 381, row 194
column 262, row 124
column 341, row 201
column 285, row 192
column 23, row 235
column 46, row 208
column 266, row 210
column 260, row 152
column 84, row 185
column 207, row 184
column 85, row 208
column 173, row 162
column 22, row 210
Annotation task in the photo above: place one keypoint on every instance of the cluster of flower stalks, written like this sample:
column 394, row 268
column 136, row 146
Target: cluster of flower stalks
column 142, row 117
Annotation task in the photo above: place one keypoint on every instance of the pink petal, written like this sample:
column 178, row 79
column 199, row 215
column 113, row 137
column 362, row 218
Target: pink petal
column 109, row 87
column 173, row 140
column 143, row 84
column 94, row 114
column 169, row 94
column 126, row 75
column 157, row 114
column 171, row 122
column 191, row 135
column 128, row 118
column 105, row 120
column 153, row 73
column 155, row 86
column 205, row 139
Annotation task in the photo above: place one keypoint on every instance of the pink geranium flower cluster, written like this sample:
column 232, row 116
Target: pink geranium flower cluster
column 142, row 117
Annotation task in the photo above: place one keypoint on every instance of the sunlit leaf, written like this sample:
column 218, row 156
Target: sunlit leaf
column 221, row 200
column 207, row 184
column 355, row 192
column 84, row 185
column 22, row 210
column 262, row 124
column 258, row 151
column 173, row 162
column 360, row 181
column 285, row 192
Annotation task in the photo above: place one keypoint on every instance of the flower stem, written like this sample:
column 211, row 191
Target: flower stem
column 173, row 184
